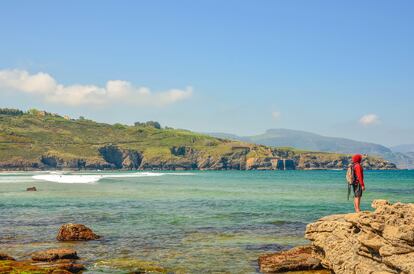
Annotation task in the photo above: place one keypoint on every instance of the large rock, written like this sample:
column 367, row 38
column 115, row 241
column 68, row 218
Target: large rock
column 56, row 261
column 367, row 242
column 76, row 232
column 5, row 257
column 62, row 266
column 296, row 259
column 54, row 254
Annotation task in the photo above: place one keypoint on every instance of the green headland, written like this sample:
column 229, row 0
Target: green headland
column 37, row 139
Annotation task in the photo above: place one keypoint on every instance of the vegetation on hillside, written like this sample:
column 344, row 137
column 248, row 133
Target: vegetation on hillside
column 29, row 137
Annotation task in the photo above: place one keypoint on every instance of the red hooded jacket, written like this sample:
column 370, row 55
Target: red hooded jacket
column 359, row 172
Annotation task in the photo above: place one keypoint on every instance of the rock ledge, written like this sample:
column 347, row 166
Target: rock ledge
column 367, row 242
column 296, row 259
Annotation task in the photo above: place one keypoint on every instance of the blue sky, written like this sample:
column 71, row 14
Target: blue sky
column 338, row 68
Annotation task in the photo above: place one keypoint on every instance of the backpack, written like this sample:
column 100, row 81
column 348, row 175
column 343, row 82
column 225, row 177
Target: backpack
column 350, row 178
column 350, row 175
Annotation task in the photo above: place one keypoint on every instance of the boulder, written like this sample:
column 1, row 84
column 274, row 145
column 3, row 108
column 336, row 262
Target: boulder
column 70, row 267
column 367, row 242
column 76, row 232
column 63, row 266
column 296, row 259
column 33, row 188
column 5, row 257
column 54, row 255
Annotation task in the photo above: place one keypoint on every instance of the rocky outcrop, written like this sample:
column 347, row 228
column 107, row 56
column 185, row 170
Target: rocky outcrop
column 377, row 163
column 53, row 161
column 241, row 160
column 119, row 158
column 112, row 157
column 63, row 266
column 54, row 254
column 367, row 242
column 4, row 256
column 58, row 259
column 331, row 161
column 181, row 151
column 261, row 163
column 52, row 261
column 296, row 259
column 76, row 232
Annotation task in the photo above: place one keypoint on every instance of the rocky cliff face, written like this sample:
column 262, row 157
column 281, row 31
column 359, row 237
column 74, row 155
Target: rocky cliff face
column 368, row 242
column 121, row 158
column 188, row 158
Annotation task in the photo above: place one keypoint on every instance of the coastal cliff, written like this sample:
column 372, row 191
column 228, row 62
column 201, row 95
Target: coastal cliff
column 381, row 241
column 41, row 140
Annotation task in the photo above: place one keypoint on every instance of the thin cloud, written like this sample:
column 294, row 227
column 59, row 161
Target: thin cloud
column 369, row 119
column 45, row 86
column 276, row 115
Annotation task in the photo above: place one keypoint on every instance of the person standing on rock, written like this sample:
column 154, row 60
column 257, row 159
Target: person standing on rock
column 358, row 184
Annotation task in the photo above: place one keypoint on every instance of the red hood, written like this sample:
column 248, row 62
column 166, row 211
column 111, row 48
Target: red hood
column 357, row 158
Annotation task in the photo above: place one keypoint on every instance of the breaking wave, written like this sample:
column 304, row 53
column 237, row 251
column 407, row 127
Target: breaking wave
column 93, row 178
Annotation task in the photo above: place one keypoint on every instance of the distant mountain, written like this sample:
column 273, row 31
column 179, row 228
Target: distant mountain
column 308, row 141
column 229, row 136
column 315, row 142
column 403, row 148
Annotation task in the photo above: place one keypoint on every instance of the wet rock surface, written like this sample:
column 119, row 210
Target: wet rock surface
column 367, row 242
column 76, row 232
column 296, row 259
column 70, row 266
column 4, row 256
column 52, row 261
column 54, row 254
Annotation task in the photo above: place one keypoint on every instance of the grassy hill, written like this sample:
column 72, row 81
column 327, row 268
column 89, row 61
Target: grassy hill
column 41, row 140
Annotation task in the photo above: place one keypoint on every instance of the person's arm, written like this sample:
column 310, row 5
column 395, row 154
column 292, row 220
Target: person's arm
column 360, row 175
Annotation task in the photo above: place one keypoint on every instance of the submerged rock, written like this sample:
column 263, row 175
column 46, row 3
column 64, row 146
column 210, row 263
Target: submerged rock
column 76, row 232
column 57, row 261
column 367, row 242
column 54, row 254
column 62, row 266
column 57, row 267
column 296, row 259
column 132, row 265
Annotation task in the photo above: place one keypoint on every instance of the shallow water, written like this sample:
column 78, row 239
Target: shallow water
column 189, row 222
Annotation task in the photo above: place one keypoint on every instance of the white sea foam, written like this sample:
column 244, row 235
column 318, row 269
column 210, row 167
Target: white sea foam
column 180, row 173
column 93, row 178
column 68, row 179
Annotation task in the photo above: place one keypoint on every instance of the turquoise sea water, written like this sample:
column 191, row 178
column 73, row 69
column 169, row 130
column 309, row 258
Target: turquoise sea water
column 185, row 222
